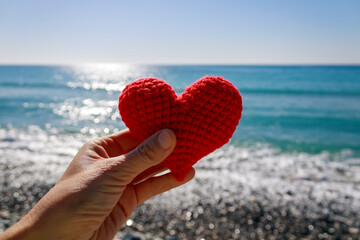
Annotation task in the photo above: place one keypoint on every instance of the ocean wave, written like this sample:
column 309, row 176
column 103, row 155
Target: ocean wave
column 265, row 169
column 34, row 155
column 34, row 149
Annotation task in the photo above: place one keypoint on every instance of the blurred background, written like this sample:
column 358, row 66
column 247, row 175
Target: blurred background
column 292, row 168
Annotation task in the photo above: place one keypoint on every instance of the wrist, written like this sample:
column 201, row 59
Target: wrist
column 24, row 229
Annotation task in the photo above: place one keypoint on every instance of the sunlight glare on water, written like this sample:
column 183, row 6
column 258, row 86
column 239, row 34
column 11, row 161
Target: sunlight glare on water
column 110, row 77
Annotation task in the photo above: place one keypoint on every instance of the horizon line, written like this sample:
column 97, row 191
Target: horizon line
column 180, row 64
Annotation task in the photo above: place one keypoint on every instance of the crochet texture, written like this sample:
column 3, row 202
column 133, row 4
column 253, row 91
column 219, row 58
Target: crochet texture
column 203, row 117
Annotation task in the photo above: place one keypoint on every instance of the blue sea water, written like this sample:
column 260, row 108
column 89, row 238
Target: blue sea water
column 292, row 108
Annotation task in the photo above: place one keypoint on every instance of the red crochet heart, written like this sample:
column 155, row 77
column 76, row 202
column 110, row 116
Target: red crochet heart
column 203, row 117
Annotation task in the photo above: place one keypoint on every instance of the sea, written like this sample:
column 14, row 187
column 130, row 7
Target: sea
column 298, row 138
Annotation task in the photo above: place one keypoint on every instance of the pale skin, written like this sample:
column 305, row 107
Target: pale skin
column 105, row 182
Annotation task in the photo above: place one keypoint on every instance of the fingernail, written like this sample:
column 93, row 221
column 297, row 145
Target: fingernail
column 164, row 140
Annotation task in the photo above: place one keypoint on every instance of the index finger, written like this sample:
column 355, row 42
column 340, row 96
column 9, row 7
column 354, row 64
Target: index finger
column 119, row 143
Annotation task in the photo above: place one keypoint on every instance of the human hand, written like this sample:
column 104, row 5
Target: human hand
column 101, row 188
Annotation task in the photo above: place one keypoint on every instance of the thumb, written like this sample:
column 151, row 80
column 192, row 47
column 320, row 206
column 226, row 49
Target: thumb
column 151, row 152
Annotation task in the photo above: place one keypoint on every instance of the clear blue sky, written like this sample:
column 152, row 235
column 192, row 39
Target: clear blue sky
column 187, row 31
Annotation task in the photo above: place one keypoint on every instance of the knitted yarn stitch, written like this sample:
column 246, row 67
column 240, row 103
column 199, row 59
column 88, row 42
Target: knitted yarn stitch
column 203, row 117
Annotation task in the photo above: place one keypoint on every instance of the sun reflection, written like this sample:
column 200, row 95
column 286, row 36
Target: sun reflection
column 75, row 110
column 110, row 77
column 101, row 70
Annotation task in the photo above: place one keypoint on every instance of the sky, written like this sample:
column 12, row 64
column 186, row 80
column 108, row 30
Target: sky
column 180, row 32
